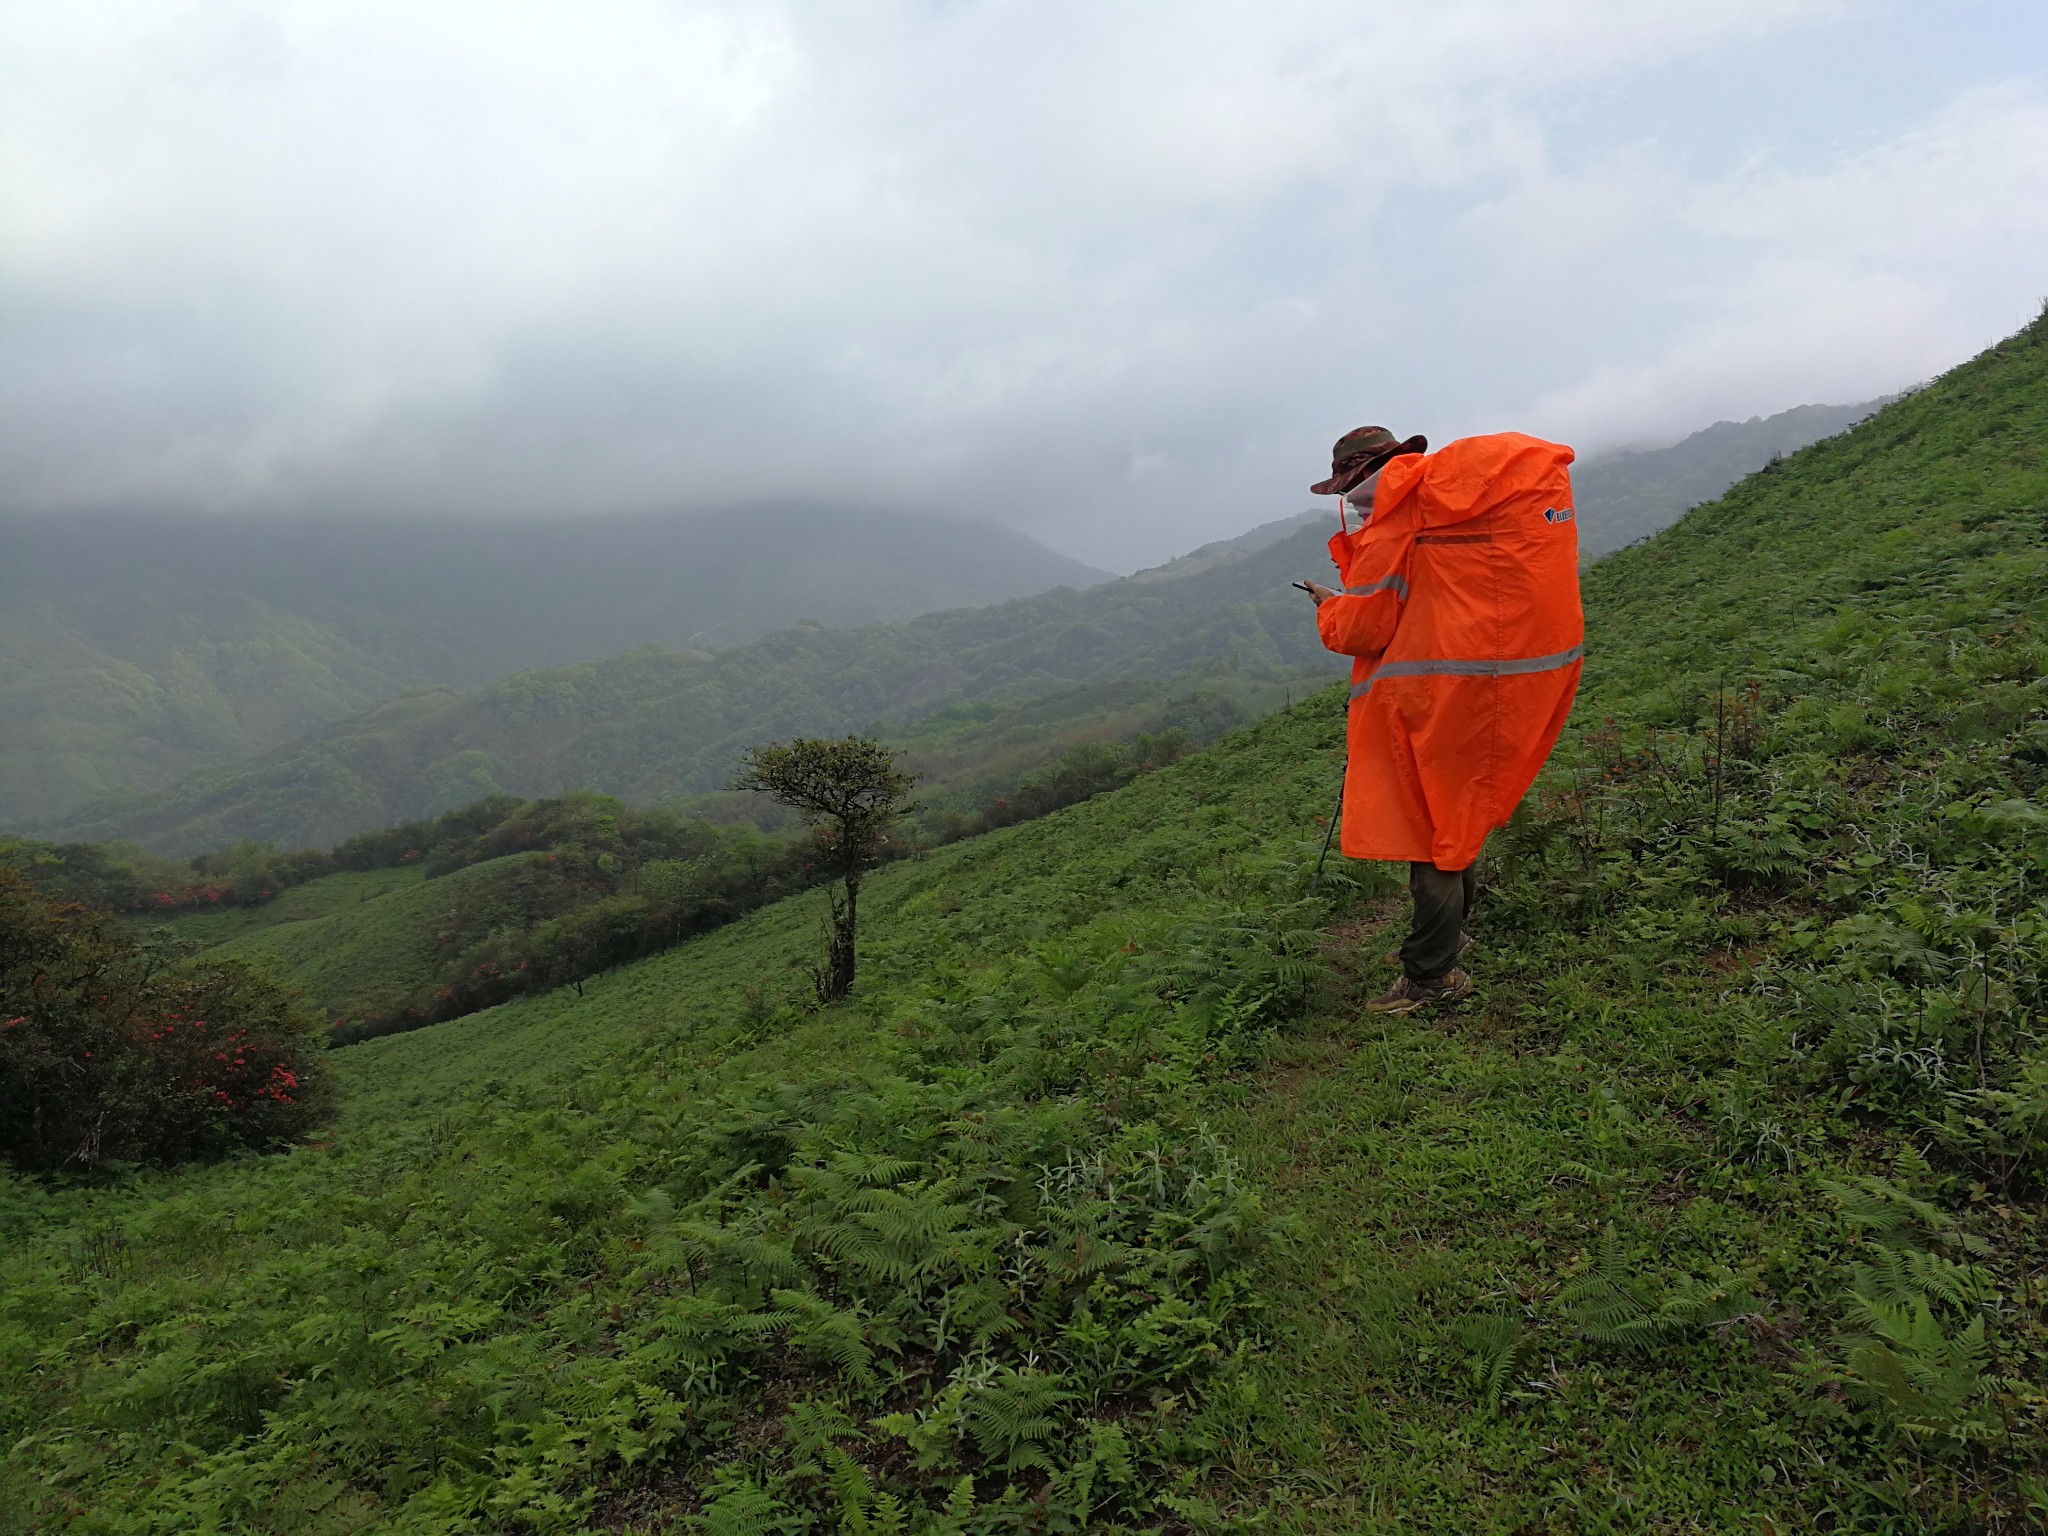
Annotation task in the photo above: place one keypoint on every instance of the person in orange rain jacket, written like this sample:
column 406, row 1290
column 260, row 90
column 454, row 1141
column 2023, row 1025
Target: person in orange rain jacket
column 1460, row 606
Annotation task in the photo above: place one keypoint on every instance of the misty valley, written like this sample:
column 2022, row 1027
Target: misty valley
column 441, row 1097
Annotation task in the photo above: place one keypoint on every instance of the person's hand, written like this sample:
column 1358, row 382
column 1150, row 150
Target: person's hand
column 1319, row 592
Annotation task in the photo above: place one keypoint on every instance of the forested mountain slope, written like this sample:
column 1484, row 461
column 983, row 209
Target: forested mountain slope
column 1147, row 653
column 654, row 722
column 1718, row 1208
column 140, row 647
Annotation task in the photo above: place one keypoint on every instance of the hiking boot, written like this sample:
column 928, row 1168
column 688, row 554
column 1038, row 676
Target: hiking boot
column 1393, row 956
column 1405, row 996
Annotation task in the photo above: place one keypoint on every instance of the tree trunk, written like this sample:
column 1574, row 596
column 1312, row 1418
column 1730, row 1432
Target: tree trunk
column 837, row 981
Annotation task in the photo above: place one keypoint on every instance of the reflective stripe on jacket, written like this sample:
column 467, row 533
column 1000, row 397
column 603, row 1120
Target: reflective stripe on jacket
column 1461, row 610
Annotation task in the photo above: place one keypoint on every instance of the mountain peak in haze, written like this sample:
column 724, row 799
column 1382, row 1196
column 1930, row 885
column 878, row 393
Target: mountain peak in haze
column 143, row 646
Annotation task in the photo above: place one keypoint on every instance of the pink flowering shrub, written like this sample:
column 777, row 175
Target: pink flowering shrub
column 107, row 1056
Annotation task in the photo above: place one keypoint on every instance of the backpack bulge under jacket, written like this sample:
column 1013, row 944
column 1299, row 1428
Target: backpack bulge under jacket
column 1460, row 606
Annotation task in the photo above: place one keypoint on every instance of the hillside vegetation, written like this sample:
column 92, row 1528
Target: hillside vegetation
column 1719, row 1207
column 142, row 647
column 1623, row 497
column 1227, row 635
column 425, row 921
column 977, row 699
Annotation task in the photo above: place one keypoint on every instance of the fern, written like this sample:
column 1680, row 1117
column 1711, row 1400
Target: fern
column 1012, row 1413
column 1901, row 1274
column 699, row 1248
column 1889, row 1215
column 1883, row 1210
column 738, row 1506
column 1615, row 1307
column 862, row 1510
column 810, row 1427
column 872, row 1170
column 1710, row 1304
column 1500, row 1346
column 975, row 1314
column 1063, row 971
column 902, row 1236
column 822, row 1330
column 958, row 1510
column 1928, row 1378
column 1610, row 1304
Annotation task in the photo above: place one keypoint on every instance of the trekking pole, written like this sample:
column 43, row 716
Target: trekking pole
column 1328, row 833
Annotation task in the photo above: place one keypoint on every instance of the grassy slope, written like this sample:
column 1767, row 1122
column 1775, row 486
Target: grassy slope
column 1638, row 1061
column 372, row 942
column 295, row 904
column 1644, row 1068
column 1624, row 497
column 442, row 1131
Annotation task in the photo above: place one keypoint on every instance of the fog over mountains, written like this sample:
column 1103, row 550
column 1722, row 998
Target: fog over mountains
column 141, row 647
column 187, row 682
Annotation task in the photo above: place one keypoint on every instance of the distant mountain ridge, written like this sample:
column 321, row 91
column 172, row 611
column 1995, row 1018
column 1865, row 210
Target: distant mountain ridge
column 655, row 722
column 137, row 648
column 1623, row 497
column 652, row 722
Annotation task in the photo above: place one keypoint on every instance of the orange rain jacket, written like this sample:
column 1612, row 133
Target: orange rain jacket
column 1461, row 605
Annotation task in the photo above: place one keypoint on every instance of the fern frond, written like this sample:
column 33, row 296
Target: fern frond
column 1900, row 1274
column 821, row 1329
column 743, row 1508
column 1015, row 1410
column 1499, row 1346
column 872, row 1170
column 959, row 1509
column 1709, row 1304
column 811, row 1426
column 1882, row 1209
column 1608, row 1302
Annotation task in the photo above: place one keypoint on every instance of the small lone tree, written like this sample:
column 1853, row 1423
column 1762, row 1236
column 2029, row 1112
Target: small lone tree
column 852, row 793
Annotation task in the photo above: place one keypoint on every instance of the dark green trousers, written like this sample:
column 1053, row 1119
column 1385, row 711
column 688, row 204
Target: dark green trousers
column 1442, row 898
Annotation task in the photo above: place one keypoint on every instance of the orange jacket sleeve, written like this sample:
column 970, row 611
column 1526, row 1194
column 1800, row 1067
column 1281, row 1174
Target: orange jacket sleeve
column 1360, row 623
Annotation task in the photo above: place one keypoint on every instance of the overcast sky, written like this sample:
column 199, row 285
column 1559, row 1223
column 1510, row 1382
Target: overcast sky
column 1116, row 272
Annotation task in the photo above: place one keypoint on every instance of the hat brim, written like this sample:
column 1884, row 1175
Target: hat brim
column 1344, row 480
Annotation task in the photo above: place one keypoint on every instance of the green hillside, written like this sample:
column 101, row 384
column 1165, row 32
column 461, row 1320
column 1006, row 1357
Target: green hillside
column 1718, row 1208
column 975, row 698
column 1623, row 497
column 329, row 896
column 427, row 921
column 142, row 647
column 375, row 953
column 653, row 723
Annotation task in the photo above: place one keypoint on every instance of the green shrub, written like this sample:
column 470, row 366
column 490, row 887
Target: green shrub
column 107, row 1056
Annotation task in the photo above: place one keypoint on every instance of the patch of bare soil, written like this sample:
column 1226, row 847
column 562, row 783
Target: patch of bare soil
column 1357, row 944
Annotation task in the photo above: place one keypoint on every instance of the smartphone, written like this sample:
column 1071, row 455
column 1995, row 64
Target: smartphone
column 1311, row 591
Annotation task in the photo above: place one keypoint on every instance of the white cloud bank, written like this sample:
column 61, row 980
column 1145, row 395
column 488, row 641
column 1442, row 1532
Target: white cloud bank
column 1117, row 274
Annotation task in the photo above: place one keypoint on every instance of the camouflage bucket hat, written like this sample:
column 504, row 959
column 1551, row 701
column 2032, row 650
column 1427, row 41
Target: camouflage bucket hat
column 1359, row 453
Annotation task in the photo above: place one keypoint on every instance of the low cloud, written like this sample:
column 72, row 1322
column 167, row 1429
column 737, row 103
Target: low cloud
column 1870, row 275
column 1115, row 274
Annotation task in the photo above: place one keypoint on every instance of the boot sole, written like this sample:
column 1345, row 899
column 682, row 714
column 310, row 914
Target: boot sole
column 1414, row 1004
column 1405, row 1005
